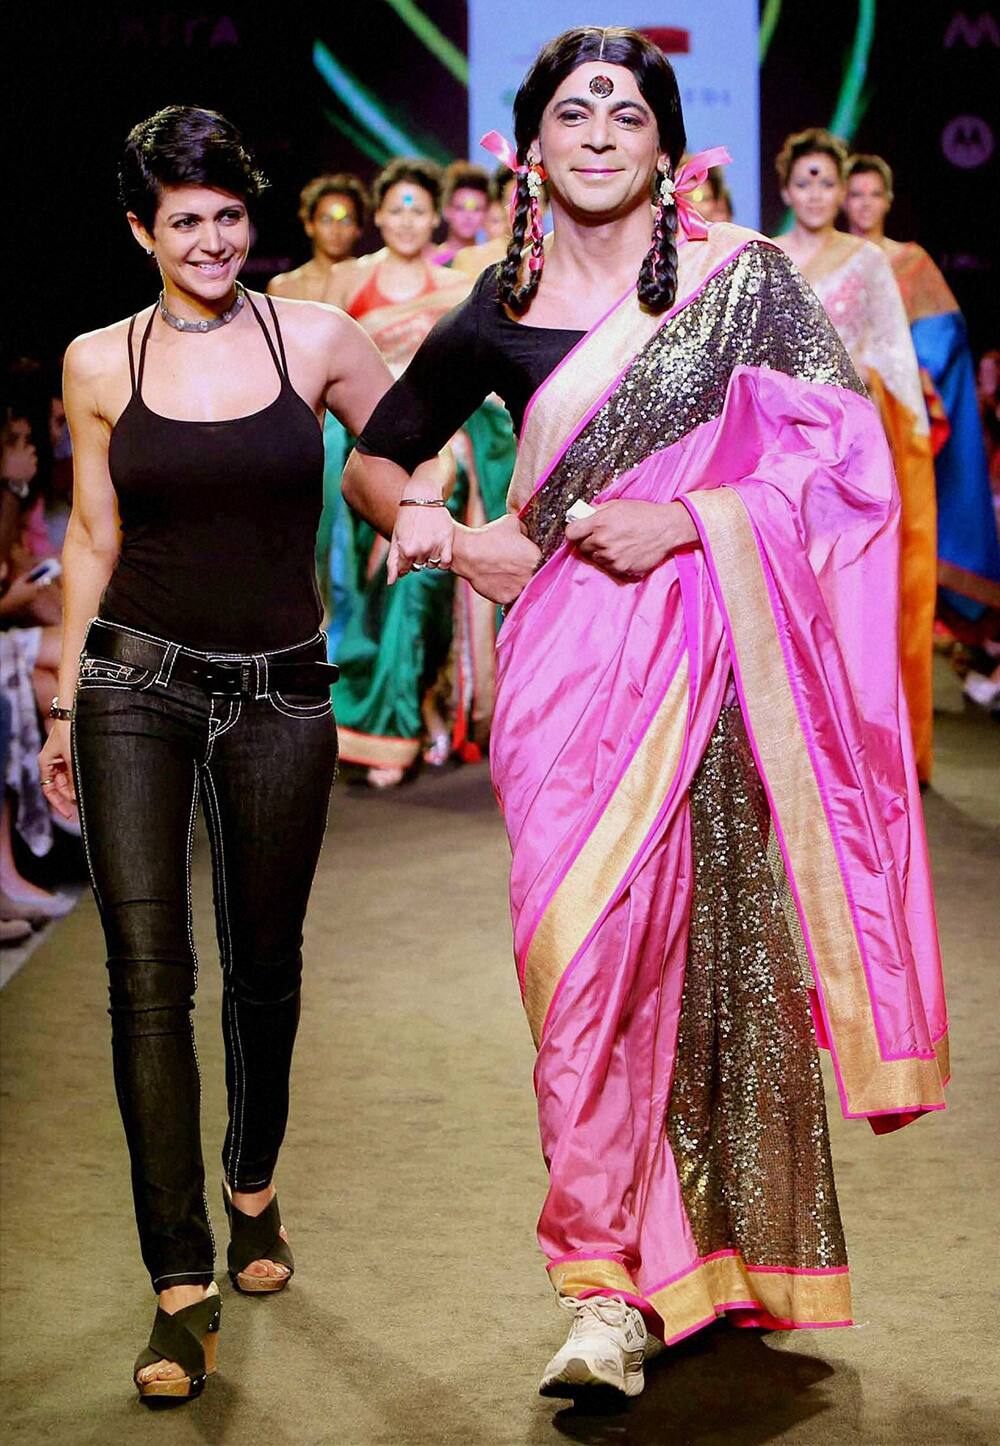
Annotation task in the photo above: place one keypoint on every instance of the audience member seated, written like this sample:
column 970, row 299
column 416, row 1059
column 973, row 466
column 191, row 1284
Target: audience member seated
column 30, row 624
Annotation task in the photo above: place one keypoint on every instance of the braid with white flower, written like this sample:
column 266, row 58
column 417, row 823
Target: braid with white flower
column 657, row 286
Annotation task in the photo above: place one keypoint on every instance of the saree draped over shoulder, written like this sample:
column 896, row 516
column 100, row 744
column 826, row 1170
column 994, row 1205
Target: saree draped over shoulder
column 708, row 785
column 968, row 549
column 863, row 302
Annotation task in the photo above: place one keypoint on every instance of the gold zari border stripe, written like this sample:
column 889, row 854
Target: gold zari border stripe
column 794, row 1296
column 602, row 863
column 562, row 402
column 872, row 1084
column 602, row 355
column 573, row 1277
column 786, row 1295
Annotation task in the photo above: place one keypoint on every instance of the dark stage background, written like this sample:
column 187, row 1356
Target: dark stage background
column 78, row 77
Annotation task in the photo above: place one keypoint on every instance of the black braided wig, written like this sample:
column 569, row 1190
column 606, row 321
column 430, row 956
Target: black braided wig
column 658, row 274
column 657, row 283
column 511, row 294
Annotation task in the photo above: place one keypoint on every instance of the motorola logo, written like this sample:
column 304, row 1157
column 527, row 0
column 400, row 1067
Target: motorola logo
column 968, row 142
column 981, row 31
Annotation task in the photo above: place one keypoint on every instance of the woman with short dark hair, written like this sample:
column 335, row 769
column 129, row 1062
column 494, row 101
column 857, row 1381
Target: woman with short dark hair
column 197, row 669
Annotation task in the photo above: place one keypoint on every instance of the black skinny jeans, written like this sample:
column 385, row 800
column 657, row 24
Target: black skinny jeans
column 146, row 748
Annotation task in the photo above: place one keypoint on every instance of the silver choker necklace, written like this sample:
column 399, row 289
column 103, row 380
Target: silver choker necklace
column 179, row 324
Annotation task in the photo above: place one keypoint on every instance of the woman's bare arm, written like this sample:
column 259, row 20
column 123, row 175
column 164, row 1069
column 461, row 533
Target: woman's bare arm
column 498, row 560
column 357, row 376
column 92, row 542
column 93, row 537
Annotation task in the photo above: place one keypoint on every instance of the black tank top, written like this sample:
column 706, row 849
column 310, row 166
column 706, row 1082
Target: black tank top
column 218, row 520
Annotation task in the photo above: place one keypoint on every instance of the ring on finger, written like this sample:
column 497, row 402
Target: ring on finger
column 417, row 566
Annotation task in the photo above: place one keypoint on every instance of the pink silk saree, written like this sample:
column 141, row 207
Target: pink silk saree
column 613, row 699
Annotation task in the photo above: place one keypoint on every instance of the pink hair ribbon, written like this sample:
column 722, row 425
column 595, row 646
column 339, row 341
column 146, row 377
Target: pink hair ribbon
column 690, row 176
column 500, row 146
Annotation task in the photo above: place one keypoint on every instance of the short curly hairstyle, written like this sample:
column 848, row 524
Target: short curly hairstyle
column 499, row 181
column 342, row 184
column 811, row 142
column 861, row 165
column 464, row 175
column 414, row 169
column 184, row 145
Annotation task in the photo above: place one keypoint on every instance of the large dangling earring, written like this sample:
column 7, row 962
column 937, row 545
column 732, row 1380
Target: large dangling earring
column 666, row 197
column 536, row 179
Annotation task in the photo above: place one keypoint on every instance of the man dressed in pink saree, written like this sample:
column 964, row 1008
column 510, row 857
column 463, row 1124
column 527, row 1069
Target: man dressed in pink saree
column 700, row 744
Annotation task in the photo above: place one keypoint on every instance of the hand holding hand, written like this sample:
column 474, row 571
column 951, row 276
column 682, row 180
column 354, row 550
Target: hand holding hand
column 498, row 559
column 629, row 539
column 422, row 537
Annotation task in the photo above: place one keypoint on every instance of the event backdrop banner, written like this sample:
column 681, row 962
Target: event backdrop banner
column 713, row 48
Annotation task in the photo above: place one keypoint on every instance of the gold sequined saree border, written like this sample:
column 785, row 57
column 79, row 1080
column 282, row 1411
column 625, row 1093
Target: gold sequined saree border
column 569, row 395
column 791, row 1299
column 561, row 407
column 590, row 884
column 870, row 1085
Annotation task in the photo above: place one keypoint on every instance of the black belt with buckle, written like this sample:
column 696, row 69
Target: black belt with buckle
column 220, row 677
column 238, row 678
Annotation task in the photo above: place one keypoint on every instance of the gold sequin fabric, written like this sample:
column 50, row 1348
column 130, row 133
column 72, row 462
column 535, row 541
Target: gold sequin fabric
column 747, row 1117
column 757, row 311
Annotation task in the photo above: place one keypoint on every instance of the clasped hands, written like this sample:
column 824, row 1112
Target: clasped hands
column 626, row 539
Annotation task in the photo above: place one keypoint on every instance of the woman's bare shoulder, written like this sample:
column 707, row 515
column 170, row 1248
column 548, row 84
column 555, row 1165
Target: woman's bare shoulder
column 93, row 354
column 311, row 323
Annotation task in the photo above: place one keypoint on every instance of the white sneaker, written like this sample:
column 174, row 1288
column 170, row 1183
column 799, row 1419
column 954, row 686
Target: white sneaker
column 605, row 1348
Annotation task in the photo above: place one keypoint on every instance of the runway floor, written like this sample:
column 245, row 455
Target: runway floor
column 420, row 1314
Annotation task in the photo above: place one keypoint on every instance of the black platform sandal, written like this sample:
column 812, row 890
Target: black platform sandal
column 189, row 1337
column 256, row 1237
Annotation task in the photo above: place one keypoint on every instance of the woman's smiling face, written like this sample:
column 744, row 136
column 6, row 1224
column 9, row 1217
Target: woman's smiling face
column 814, row 191
column 406, row 218
column 867, row 201
column 200, row 238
